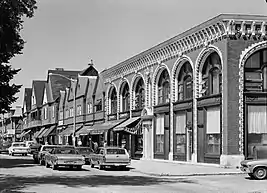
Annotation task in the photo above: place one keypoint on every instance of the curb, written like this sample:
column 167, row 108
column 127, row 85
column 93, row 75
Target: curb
column 188, row 175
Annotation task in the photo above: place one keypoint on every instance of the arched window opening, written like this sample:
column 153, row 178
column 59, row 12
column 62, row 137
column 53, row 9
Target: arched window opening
column 125, row 98
column 113, row 100
column 256, row 72
column 139, row 95
column 211, row 76
column 185, row 82
column 164, row 88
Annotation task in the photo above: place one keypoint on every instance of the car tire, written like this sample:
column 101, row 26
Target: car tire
column 260, row 173
column 46, row 165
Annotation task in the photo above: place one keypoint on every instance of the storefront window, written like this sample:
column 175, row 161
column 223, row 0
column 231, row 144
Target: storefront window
column 164, row 88
column 180, row 122
column 257, row 128
column 160, row 133
column 185, row 82
column 213, row 130
column 113, row 99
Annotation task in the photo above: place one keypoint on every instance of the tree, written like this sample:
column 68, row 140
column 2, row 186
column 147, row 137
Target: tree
column 12, row 13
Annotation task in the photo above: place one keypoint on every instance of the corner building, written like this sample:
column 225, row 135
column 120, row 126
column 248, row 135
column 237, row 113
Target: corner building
column 200, row 96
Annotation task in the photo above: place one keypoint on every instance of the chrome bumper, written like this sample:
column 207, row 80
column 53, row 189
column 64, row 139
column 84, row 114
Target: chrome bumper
column 67, row 163
column 245, row 169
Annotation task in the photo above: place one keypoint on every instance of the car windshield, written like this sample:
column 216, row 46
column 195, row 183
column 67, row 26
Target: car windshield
column 84, row 150
column 115, row 151
column 48, row 148
column 65, row 151
column 19, row 145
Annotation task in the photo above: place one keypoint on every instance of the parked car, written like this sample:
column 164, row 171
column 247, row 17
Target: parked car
column 256, row 169
column 64, row 156
column 4, row 145
column 34, row 147
column 111, row 157
column 85, row 152
column 39, row 156
column 18, row 148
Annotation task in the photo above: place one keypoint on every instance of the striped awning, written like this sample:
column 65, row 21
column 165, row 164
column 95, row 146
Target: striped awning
column 38, row 132
column 50, row 131
column 132, row 125
column 69, row 130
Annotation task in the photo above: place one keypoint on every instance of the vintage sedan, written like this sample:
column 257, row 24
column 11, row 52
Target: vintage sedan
column 85, row 152
column 111, row 157
column 256, row 169
column 64, row 156
column 38, row 156
column 18, row 148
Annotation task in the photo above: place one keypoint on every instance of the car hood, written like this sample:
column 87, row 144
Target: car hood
column 253, row 162
column 68, row 156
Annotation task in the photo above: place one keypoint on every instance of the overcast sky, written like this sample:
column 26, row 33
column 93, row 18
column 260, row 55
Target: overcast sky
column 69, row 33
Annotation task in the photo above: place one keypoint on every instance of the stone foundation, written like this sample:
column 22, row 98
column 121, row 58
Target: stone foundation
column 232, row 161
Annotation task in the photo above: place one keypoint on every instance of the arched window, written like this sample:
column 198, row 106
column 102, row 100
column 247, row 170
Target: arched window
column 113, row 100
column 211, row 75
column 185, row 82
column 139, row 94
column 256, row 72
column 125, row 98
column 164, row 88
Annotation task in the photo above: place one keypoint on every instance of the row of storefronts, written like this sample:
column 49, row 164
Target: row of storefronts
column 198, row 97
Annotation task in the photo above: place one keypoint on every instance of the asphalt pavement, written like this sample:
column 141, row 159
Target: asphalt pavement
column 20, row 174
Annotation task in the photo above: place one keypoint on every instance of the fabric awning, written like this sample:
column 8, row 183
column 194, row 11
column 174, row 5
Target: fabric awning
column 69, row 130
column 50, row 131
column 25, row 133
column 42, row 134
column 99, row 129
column 85, row 130
column 38, row 132
column 131, row 125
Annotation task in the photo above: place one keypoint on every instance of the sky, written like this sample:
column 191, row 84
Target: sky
column 69, row 33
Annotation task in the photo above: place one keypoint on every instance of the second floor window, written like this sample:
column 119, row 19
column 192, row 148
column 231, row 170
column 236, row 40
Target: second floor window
column 185, row 82
column 113, row 101
column 67, row 113
column 71, row 112
column 79, row 110
column 60, row 115
column 140, row 95
column 164, row 88
column 53, row 111
column 98, row 105
column 89, row 108
column 125, row 98
column 45, row 112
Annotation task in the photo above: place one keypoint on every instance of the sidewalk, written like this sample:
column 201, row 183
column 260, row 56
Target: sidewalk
column 172, row 169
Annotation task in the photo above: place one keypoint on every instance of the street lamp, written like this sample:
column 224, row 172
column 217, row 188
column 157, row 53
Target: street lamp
column 74, row 102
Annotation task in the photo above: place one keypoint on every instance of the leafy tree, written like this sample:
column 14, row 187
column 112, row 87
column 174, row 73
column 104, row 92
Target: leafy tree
column 12, row 13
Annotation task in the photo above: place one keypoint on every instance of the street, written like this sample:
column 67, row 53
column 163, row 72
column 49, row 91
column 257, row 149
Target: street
column 19, row 174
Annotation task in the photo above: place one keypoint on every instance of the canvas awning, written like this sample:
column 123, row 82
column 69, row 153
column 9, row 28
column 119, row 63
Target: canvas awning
column 24, row 133
column 85, row 130
column 42, row 134
column 99, row 129
column 38, row 132
column 69, row 130
column 131, row 125
column 50, row 131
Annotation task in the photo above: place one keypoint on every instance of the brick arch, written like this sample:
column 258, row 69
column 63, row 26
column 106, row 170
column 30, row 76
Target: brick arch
column 155, row 79
column 135, row 79
column 203, row 55
column 175, row 71
column 121, row 84
column 243, row 58
column 109, row 89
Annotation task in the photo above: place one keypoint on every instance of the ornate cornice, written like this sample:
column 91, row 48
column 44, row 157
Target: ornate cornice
column 223, row 26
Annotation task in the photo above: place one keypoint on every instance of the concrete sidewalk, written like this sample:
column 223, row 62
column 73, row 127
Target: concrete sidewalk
column 176, row 169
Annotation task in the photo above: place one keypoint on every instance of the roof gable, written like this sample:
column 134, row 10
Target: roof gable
column 38, row 92
column 89, row 71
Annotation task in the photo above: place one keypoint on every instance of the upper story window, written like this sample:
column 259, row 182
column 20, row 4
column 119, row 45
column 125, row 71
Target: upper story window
column 61, row 115
column 125, row 94
column 45, row 113
column 211, row 76
column 71, row 112
column 89, row 108
column 79, row 110
column 164, row 88
column 139, row 94
column 67, row 113
column 256, row 72
column 53, row 111
column 185, row 82
column 113, row 101
column 98, row 105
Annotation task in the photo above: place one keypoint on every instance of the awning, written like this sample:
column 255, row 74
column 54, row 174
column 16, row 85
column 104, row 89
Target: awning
column 69, row 130
column 24, row 133
column 38, row 132
column 42, row 134
column 85, row 130
column 130, row 126
column 99, row 129
column 50, row 131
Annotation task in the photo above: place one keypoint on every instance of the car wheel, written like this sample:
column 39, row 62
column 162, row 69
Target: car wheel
column 46, row 165
column 260, row 173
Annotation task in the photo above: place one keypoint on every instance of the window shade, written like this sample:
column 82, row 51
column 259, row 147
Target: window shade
column 257, row 119
column 180, row 123
column 160, row 124
column 213, row 120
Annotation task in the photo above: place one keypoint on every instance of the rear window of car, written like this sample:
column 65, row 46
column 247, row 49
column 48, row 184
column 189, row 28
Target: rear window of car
column 85, row 150
column 65, row 151
column 49, row 148
column 19, row 145
column 116, row 151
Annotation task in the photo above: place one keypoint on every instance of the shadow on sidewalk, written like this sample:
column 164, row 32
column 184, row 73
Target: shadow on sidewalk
column 10, row 183
column 16, row 161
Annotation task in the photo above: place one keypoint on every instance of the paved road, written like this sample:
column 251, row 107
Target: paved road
column 19, row 174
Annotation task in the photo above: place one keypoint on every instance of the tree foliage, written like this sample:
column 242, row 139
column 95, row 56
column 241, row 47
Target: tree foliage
column 12, row 13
